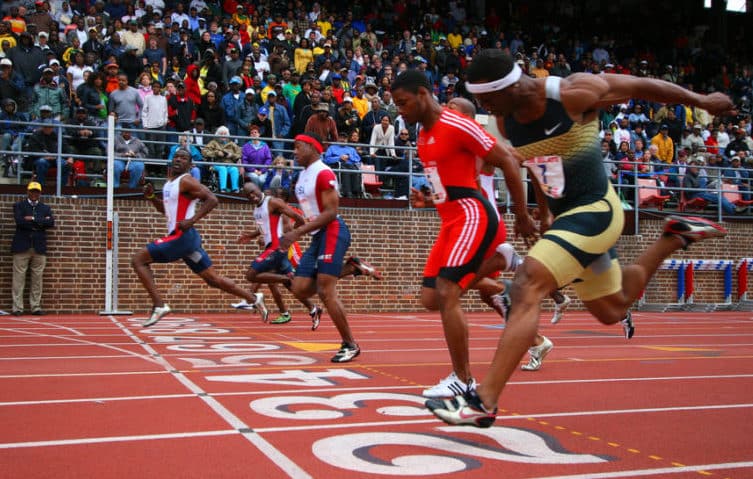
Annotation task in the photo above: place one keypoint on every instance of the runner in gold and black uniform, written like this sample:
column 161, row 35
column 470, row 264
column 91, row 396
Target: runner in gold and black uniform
column 552, row 124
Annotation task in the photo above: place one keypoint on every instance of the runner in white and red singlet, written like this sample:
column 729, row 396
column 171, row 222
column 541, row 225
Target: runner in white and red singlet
column 322, row 263
column 179, row 197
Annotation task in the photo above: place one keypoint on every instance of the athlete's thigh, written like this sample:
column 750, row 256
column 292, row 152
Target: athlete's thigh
column 578, row 238
column 332, row 248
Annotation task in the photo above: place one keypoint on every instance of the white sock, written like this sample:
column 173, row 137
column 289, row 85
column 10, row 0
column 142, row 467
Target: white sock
column 512, row 260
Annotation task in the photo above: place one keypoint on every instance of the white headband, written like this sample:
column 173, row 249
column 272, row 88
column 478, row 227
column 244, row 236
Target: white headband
column 496, row 85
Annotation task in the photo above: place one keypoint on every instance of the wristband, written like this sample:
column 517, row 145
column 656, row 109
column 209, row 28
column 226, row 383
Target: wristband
column 150, row 197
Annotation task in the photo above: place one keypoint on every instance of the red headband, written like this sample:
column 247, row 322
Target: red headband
column 311, row 141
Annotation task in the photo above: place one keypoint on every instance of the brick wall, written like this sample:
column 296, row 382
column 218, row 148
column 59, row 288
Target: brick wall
column 397, row 241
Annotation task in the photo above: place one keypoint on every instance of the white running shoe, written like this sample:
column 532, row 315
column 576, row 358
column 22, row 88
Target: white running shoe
column 450, row 386
column 537, row 354
column 559, row 309
column 242, row 304
column 261, row 307
column 157, row 314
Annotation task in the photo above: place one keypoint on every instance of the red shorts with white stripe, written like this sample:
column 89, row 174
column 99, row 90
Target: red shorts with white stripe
column 464, row 241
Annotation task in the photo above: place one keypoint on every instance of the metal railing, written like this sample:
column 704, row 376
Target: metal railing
column 169, row 139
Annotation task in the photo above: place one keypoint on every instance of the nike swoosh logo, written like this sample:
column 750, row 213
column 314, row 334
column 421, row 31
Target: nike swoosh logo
column 549, row 131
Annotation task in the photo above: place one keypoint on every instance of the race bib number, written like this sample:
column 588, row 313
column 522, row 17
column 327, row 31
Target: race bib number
column 438, row 193
column 550, row 173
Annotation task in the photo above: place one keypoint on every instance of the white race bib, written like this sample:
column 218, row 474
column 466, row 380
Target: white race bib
column 438, row 193
column 550, row 173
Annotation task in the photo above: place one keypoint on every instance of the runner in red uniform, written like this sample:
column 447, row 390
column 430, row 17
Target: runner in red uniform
column 448, row 146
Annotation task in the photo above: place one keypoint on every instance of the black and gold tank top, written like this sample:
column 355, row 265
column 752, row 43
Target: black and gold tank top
column 577, row 145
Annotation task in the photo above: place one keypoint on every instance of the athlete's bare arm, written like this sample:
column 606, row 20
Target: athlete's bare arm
column 545, row 218
column 190, row 187
column 584, row 94
column 330, row 204
column 149, row 195
column 505, row 157
column 247, row 236
column 279, row 206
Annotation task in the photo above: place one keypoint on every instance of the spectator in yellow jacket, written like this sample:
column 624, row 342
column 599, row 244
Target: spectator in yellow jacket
column 665, row 144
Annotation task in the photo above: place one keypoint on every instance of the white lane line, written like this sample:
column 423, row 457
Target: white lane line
column 656, row 472
column 37, row 358
column 100, row 440
column 73, row 375
column 339, row 389
column 345, row 425
column 49, row 325
column 91, row 343
column 276, row 456
column 99, row 400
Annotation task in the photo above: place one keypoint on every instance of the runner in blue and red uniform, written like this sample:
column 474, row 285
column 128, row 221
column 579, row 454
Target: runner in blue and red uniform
column 179, row 197
column 322, row 263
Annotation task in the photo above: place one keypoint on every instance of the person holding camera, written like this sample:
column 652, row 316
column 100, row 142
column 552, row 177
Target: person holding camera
column 29, row 248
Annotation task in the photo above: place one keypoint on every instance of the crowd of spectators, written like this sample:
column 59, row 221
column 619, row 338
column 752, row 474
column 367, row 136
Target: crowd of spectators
column 252, row 75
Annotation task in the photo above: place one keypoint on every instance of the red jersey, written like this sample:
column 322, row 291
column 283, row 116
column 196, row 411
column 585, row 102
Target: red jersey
column 448, row 152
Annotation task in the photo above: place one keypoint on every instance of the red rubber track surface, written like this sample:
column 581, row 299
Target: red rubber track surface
column 227, row 396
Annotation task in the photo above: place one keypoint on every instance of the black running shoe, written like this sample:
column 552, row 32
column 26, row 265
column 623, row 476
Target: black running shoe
column 627, row 325
column 346, row 353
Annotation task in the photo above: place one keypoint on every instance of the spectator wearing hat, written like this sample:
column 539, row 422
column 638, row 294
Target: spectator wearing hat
column 360, row 102
column 26, row 58
column 222, row 149
column 231, row 102
column 12, row 84
column 665, row 144
column 322, row 123
column 697, row 182
column 29, row 248
column 47, row 93
column 93, row 44
column 248, row 109
column 694, row 139
column 132, row 37
column 262, row 121
column 347, row 117
column 738, row 144
column 256, row 155
column 232, row 65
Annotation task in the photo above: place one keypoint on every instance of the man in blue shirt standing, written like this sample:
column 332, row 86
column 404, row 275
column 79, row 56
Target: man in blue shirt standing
column 29, row 248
